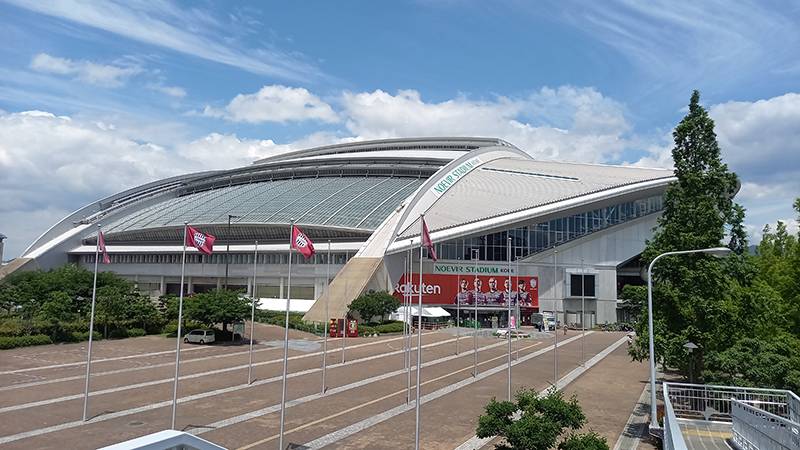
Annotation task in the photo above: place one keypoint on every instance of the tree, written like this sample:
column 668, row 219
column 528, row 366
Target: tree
column 218, row 306
column 542, row 420
column 691, row 301
column 374, row 304
column 738, row 235
column 586, row 441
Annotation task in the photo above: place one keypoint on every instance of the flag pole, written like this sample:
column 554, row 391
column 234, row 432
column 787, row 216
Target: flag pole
column 252, row 316
column 408, row 337
column 583, row 319
column 458, row 308
column 286, row 336
column 555, row 313
column 178, row 337
column 419, row 332
column 475, row 252
column 91, row 327
column 325, row 329
column 405, row 318
column 508, row 304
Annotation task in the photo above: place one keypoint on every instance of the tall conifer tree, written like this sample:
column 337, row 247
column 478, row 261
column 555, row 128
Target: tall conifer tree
column 690, row 290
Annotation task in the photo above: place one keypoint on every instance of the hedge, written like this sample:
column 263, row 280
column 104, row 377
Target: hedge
column 136, row 332
column 7, row 342
column 366, row 330
column 391, row 327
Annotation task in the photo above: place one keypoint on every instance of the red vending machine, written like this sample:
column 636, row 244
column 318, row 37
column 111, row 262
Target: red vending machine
column 352, row 328
column 334, row 330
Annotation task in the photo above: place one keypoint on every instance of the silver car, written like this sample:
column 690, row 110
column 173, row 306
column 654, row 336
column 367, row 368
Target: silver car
column 199, row 336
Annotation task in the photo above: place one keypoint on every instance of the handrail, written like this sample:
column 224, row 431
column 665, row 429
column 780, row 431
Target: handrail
column 673, row 438
column 742, row 388
column 794, row 407
column 759, row 429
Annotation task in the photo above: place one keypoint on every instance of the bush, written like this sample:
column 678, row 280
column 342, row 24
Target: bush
column 7, row 342
column 12, row 327
column 77, row 336
column 136, row 332
column 366, row 330
column 391, row 327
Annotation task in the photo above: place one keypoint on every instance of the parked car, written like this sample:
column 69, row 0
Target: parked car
column 502, row 332
column 199, row 336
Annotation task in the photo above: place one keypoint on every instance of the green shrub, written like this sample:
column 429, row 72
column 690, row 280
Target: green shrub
column 391, row 327
column 136, row 332
column 366, row 330
column 77, row 336
column 12, row 327
column 7, row 342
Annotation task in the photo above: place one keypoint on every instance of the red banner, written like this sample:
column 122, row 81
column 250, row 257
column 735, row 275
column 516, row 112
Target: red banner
column 444, row 289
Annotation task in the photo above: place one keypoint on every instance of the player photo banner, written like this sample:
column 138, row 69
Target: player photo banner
column 446, row 289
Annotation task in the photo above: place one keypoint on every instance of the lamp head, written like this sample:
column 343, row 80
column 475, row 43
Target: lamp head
column 719, row 252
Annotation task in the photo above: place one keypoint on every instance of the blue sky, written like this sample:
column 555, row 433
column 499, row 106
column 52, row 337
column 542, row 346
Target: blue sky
column 100, row 96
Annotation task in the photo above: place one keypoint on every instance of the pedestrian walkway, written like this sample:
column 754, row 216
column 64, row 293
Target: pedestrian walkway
column 701, row 435
column 609, row 392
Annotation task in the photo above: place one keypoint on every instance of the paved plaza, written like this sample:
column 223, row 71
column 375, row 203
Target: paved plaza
column 364, row 407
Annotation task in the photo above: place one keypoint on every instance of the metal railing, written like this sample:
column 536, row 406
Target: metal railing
column 673, row 438
column 761, row 418
column 794, row 407
column 714, row 403
column 756, row 429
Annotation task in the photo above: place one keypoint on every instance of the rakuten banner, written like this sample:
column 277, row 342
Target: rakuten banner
column 447, row 289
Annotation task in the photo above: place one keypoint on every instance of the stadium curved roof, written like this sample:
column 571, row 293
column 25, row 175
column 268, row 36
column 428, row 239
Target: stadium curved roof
column 340, row 191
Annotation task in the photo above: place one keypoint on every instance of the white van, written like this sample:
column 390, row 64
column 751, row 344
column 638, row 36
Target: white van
column 199, row 336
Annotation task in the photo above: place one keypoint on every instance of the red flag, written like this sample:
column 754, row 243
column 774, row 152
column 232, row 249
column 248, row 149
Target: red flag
column 426, row 240
column 301, row 242
column 101, row 243
column 199, row 240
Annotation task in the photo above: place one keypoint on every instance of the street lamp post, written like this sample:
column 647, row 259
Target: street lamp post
column 715, row 251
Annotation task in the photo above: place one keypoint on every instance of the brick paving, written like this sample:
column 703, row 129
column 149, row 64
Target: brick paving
column 52, row 374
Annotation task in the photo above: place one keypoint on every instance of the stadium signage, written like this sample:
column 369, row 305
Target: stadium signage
column 450, row 178
column 443, row 289
column 467, row 269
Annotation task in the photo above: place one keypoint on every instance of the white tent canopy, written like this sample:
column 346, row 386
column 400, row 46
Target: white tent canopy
column 430, row 311
column 279, row 304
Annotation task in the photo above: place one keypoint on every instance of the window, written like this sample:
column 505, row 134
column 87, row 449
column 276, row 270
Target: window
column 535, row 237
column 575, row 285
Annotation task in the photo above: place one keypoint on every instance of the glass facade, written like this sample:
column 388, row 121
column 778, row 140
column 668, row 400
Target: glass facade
column 535, row 237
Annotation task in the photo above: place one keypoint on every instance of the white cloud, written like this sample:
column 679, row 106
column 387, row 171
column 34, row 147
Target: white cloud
column 760, row 141
column 87, row 71
column 565, row 123
column 762, row 137
column 172, row 91
column 185, row 30
column 275, row 103
column 51, row 165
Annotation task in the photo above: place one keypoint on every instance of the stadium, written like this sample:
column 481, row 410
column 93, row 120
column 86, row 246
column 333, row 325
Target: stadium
column 563, row 236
